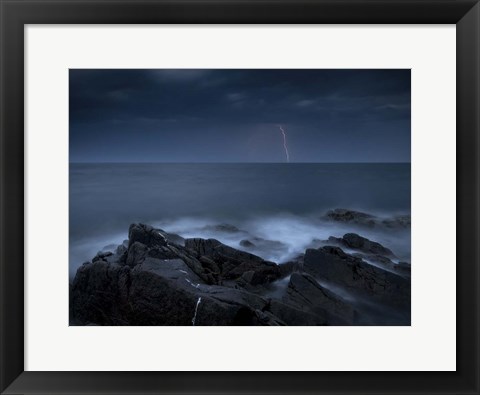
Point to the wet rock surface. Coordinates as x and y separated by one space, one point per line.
357 276
362 244
160 278
305 292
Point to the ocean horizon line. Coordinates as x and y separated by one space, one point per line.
239 163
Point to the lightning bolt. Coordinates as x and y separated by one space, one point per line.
285 143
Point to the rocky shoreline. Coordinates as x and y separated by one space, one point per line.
159 278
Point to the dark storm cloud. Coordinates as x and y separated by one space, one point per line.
232 115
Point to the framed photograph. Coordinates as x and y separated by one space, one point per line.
240 197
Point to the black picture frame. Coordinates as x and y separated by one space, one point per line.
15 14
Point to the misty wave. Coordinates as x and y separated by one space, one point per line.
293 233
277 238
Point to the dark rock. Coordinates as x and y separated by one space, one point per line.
233 263
288 268
377 260
357 242
163 252
353 274
256 277
403 268
351 217
95 294
200 269
137 252
248 277
202 247
148 289
172 238
381 260
292 266
363 219
146 235
160 293
101 256
155 279
209 265
304 291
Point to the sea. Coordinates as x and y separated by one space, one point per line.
279 207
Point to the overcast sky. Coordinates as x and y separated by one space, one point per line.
234 115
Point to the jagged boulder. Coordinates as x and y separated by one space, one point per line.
96 294
401 268
172 238
137 252
357 242
168 292
355 275
146 235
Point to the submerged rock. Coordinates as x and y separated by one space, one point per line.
351 217
225 228
246 243
359 218
262 243
398 222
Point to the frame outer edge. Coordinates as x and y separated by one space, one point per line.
11 196
468 197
